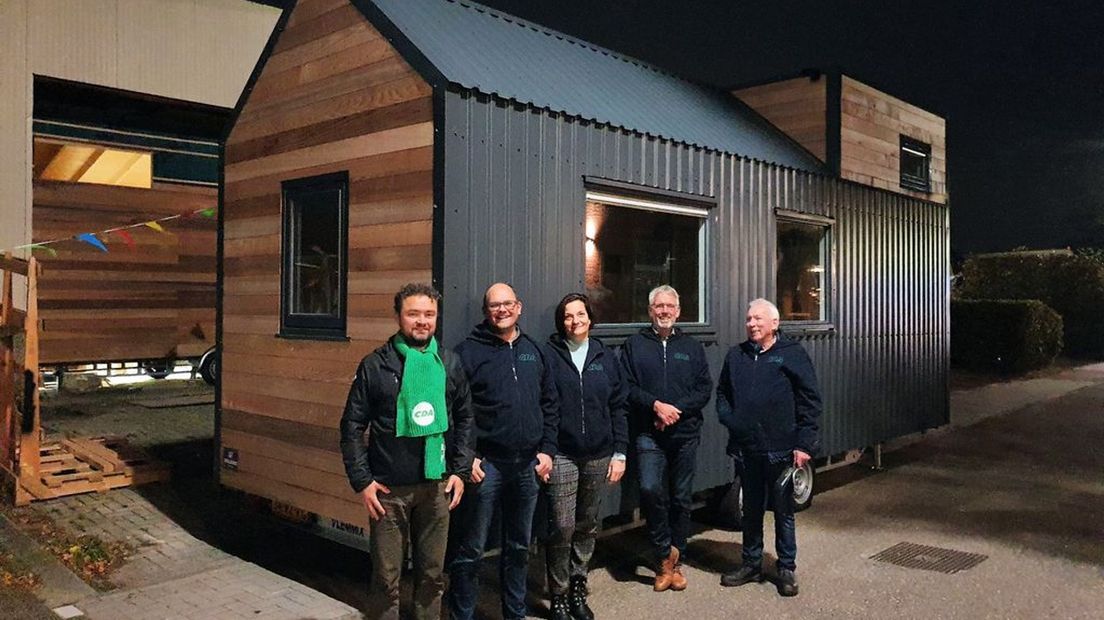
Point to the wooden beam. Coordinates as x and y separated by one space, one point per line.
13 264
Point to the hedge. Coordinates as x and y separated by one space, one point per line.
1006 336
1071 284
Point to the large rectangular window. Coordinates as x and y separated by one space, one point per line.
803 268
315 251
634 245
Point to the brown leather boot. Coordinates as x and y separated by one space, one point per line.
678 580
666 571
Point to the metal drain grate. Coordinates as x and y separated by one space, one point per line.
923 557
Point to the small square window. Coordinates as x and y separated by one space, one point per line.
915 164
315 251
634 245
802 268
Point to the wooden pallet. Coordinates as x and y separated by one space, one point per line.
89 464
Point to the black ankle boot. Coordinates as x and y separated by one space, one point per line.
561 609
579 608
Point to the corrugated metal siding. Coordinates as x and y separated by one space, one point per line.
484 50
514 200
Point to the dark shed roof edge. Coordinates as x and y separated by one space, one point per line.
437 79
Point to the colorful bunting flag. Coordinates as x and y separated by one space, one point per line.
45 248
154 225
207 212
126 237
92 240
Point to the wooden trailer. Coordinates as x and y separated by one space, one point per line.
387 141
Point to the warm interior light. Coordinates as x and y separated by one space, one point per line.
73 162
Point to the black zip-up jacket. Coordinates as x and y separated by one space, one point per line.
513 396
592 403
371 406
769 400
677 374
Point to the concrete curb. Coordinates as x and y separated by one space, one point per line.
59 585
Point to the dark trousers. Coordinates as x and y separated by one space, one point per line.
666 485
575 494
513 488
757 481
419 513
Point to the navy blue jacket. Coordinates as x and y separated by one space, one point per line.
513 396
592 403
677 374
769 400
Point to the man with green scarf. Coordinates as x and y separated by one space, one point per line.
406 439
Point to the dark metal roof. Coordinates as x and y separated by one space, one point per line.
478 48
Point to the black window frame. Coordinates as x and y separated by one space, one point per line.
313 327
676 202
909 147
826 323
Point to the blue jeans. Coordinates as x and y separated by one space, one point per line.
757 481
666 485
514 488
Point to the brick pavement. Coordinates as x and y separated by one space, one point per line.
175 575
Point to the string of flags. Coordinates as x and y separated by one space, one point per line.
100 239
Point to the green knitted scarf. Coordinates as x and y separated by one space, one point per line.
420 407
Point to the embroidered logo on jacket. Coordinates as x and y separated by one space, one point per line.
527 357
682 357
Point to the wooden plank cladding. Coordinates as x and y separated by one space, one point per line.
150 301
842 120
797 107
334 96
871 124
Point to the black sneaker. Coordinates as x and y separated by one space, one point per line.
742 575
787 582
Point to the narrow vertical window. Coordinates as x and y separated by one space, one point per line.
915 164
803 269
315 251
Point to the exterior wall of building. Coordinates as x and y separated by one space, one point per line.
194 50
797 106
871 124
333 96
514 201
153 302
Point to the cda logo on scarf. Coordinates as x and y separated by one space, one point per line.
423 414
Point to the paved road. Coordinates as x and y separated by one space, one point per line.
1026 489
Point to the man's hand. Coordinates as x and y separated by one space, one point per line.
455 486
371 500
477 471
666 414
615 471
544 466
800 458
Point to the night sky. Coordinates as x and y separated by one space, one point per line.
1022 89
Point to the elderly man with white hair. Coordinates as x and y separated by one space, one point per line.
767 397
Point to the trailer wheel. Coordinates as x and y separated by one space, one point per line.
208 366
159 369
803 487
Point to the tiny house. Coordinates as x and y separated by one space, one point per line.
112 115
384 141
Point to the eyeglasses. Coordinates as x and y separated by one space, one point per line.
505 305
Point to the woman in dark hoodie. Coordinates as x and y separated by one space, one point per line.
593 438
